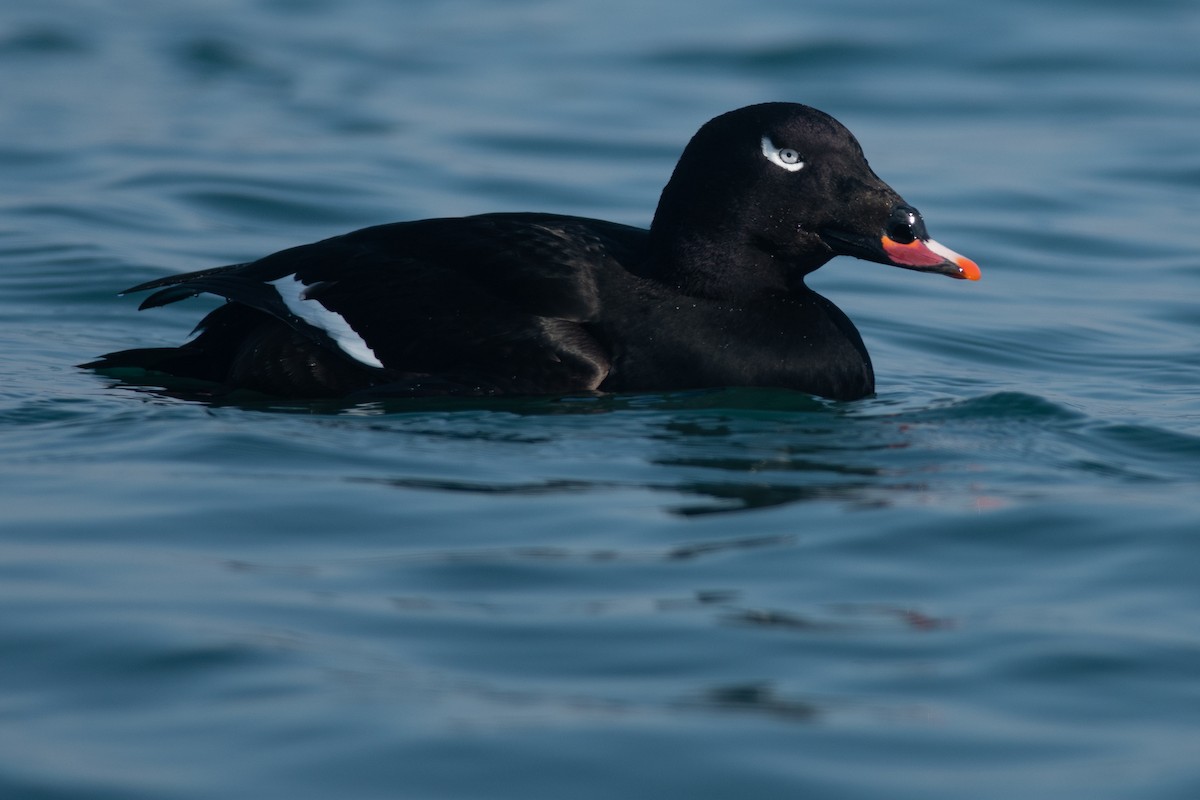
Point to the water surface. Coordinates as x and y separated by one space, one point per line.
978 583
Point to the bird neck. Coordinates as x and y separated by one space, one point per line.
718 261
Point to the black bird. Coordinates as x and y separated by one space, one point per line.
713 294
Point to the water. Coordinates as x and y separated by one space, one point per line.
979 583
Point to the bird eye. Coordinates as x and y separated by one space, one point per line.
784 157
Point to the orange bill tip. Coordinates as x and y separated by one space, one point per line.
969 269
931 255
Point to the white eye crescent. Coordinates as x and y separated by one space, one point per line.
784 157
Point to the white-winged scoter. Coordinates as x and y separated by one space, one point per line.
712 295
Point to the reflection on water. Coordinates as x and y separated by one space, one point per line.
796 448
758 698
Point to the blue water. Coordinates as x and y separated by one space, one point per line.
981 583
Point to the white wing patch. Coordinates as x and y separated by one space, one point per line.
311 311
784 157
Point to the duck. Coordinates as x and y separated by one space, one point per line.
711 295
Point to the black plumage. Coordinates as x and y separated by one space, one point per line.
528 303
